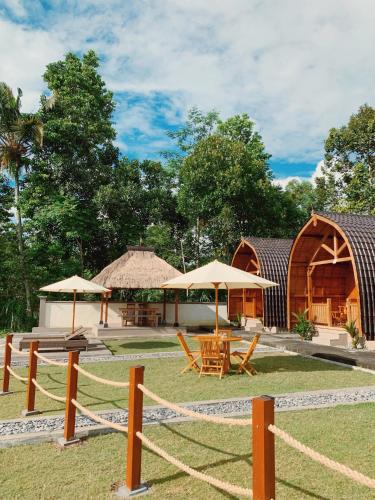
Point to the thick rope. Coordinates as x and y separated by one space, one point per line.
322 459
16 351
99 419
48 360
99 379
18 377
48 394
190 413
223 485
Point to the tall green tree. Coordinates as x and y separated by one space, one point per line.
349 168
77 160
226 189
19 132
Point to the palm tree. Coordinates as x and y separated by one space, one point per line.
19 132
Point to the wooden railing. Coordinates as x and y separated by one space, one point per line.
352 311
322 313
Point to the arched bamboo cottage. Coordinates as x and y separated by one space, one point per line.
267 257
332 271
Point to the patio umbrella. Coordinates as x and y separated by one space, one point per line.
75 285
217 275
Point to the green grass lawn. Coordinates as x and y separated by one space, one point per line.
89 470
135 346
277 373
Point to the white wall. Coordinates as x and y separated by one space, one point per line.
58 314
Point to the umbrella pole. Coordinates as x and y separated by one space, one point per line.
74 308
217 308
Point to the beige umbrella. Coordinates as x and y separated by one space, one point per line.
75 285
218 276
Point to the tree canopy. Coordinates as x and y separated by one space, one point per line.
78 202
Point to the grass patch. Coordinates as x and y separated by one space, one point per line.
135 346
88 471
277 373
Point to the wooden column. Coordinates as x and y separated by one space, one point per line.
71 393
135 417
216 285
165 306
30 393
263 448
329 312
176 300
74 308
243 301
106 311
7 362
101 309
309 292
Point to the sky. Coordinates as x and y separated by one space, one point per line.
296 67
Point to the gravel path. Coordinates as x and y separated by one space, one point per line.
229 407
18 361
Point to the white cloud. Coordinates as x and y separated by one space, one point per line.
283 181
298 68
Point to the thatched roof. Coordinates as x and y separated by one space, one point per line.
138 268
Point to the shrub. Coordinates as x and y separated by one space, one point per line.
304 327
354 333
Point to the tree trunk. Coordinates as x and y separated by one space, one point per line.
21 248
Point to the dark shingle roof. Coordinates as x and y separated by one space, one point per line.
360 231
273 255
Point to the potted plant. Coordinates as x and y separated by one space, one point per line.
354 334
304 327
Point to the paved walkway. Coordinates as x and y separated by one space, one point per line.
290 342
225 407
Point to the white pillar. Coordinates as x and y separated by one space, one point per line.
42 310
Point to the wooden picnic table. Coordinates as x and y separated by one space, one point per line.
226 346
139 315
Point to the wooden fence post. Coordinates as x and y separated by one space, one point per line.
263 449
329 312
70 409
135 417
7 362
30 393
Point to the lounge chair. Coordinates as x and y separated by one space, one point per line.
244 357
192 356
65 341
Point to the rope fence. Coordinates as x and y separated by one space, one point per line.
50 361
322 459
16 351
223 485
47 393
99 379
193 414
262 421
15 375
98 418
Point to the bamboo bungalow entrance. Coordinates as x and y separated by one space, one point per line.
331 271
266 257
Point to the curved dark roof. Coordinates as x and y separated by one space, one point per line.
273 255
360 231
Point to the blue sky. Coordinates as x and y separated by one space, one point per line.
297 68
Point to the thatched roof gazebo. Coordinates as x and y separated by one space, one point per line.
139 268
